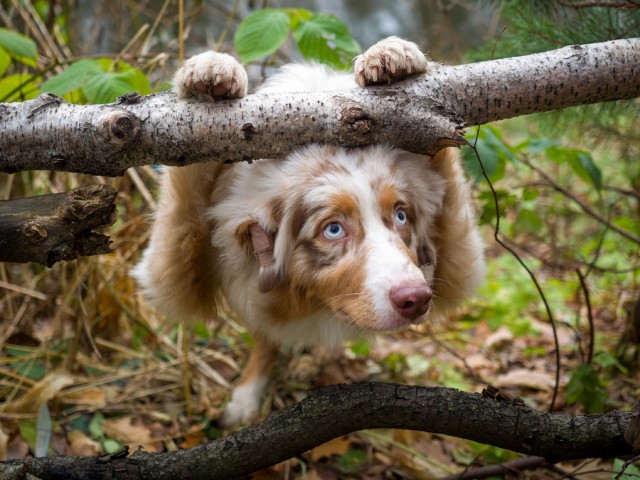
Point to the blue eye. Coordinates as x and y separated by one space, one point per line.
401 218
334 231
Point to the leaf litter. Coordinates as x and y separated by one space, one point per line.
114 371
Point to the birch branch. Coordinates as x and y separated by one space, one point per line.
422 114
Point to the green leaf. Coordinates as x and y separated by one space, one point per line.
493 151
632 472
72 78
605 359
493 136
44 431
5 60
17 45
14 88
261 33
95 429
326 38
580 161
28 431
98 82
298 15
352 461
111 446
107 86
584 166
585 387
493 163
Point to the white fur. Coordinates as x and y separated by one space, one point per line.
245 402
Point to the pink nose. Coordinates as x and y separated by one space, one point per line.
411 302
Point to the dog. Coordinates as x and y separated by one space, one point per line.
326 245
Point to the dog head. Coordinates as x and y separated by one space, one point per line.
348 230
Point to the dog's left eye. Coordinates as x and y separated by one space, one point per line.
401 218
334 231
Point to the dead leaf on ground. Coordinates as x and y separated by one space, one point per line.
4 444
132 431
337 446
80 445
523 377
41 392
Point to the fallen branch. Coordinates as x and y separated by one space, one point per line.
422 114
59 226
341 409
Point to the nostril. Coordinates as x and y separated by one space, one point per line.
411 301
408 304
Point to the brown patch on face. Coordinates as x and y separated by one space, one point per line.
344 205
342 289
387 201
337 284
321 269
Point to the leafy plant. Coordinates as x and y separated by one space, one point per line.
631 472
98 81
17 47
319 36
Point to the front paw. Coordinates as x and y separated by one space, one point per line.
389 60
244 404
211 75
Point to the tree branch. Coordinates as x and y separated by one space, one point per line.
341 409
58 226
422 114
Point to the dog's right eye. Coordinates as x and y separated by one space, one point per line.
334 231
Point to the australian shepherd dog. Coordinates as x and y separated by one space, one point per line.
326 245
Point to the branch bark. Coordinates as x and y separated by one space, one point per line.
422 114
341 409
58 226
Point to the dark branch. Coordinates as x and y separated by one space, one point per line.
54 227
341 409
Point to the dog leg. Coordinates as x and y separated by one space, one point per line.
245 398
179 271
389 60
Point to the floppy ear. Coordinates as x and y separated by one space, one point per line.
459 249
263 245
260 242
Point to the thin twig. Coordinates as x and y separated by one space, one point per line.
587 299
496 236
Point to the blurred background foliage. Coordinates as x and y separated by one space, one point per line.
84 359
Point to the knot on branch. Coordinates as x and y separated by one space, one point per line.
356 123
34 232
93 204
119 127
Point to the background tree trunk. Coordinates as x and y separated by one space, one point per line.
422 114
341 409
